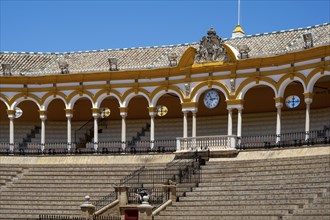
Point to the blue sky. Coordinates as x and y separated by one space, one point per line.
64 26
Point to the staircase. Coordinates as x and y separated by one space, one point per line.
258 189
29 136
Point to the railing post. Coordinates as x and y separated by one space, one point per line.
122 195
87 209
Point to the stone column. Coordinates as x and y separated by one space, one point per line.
230 121
278 105
43 117
96 115
239 124
69 115
194 112
308 101
123 114
152 114
11 116
185 123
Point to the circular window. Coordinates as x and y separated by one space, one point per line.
292 101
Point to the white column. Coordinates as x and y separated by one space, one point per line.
152 129
239 122
123 129
278 122
69 115
43 118
11 116
230 121
185 124
96 133
308 102
194 111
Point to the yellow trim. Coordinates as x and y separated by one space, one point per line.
11 112
25 96
161 88
108 92
189 104
235 102
308 95
213 82
257 80
136 91
42 112
95 110
152 109
49 94
279 100
188 58
123 109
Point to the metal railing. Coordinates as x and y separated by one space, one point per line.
294 139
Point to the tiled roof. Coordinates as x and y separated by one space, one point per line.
266 44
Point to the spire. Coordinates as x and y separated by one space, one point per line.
238 31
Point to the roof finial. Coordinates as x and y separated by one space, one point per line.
239 12
238 31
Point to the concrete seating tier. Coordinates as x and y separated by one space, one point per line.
282 188
58 189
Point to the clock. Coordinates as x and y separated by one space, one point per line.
161 110
292 101
211 99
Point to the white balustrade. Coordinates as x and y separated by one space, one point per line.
203 143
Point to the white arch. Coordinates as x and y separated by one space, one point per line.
314 79
104 96
46 103
286 82
21 99
161 93
205 88
132 95
253 84
70 105
4 101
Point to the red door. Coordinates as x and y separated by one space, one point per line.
131 214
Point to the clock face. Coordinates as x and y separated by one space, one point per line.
211 99
292 101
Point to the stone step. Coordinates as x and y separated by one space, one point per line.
219 169
40 203
310 217
265 173
41 207
285 201
209 177
33 194
177 207
215 192
269 182
38 212
269 186
249 197
87 189
216 217
224 212
270 162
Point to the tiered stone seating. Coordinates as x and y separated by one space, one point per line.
58 189
258 189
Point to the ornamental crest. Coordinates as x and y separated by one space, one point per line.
211 48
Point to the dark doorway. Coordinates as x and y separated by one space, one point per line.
131 214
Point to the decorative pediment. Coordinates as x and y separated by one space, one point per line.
211 49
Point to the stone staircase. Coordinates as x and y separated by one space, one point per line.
57 189
285 188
